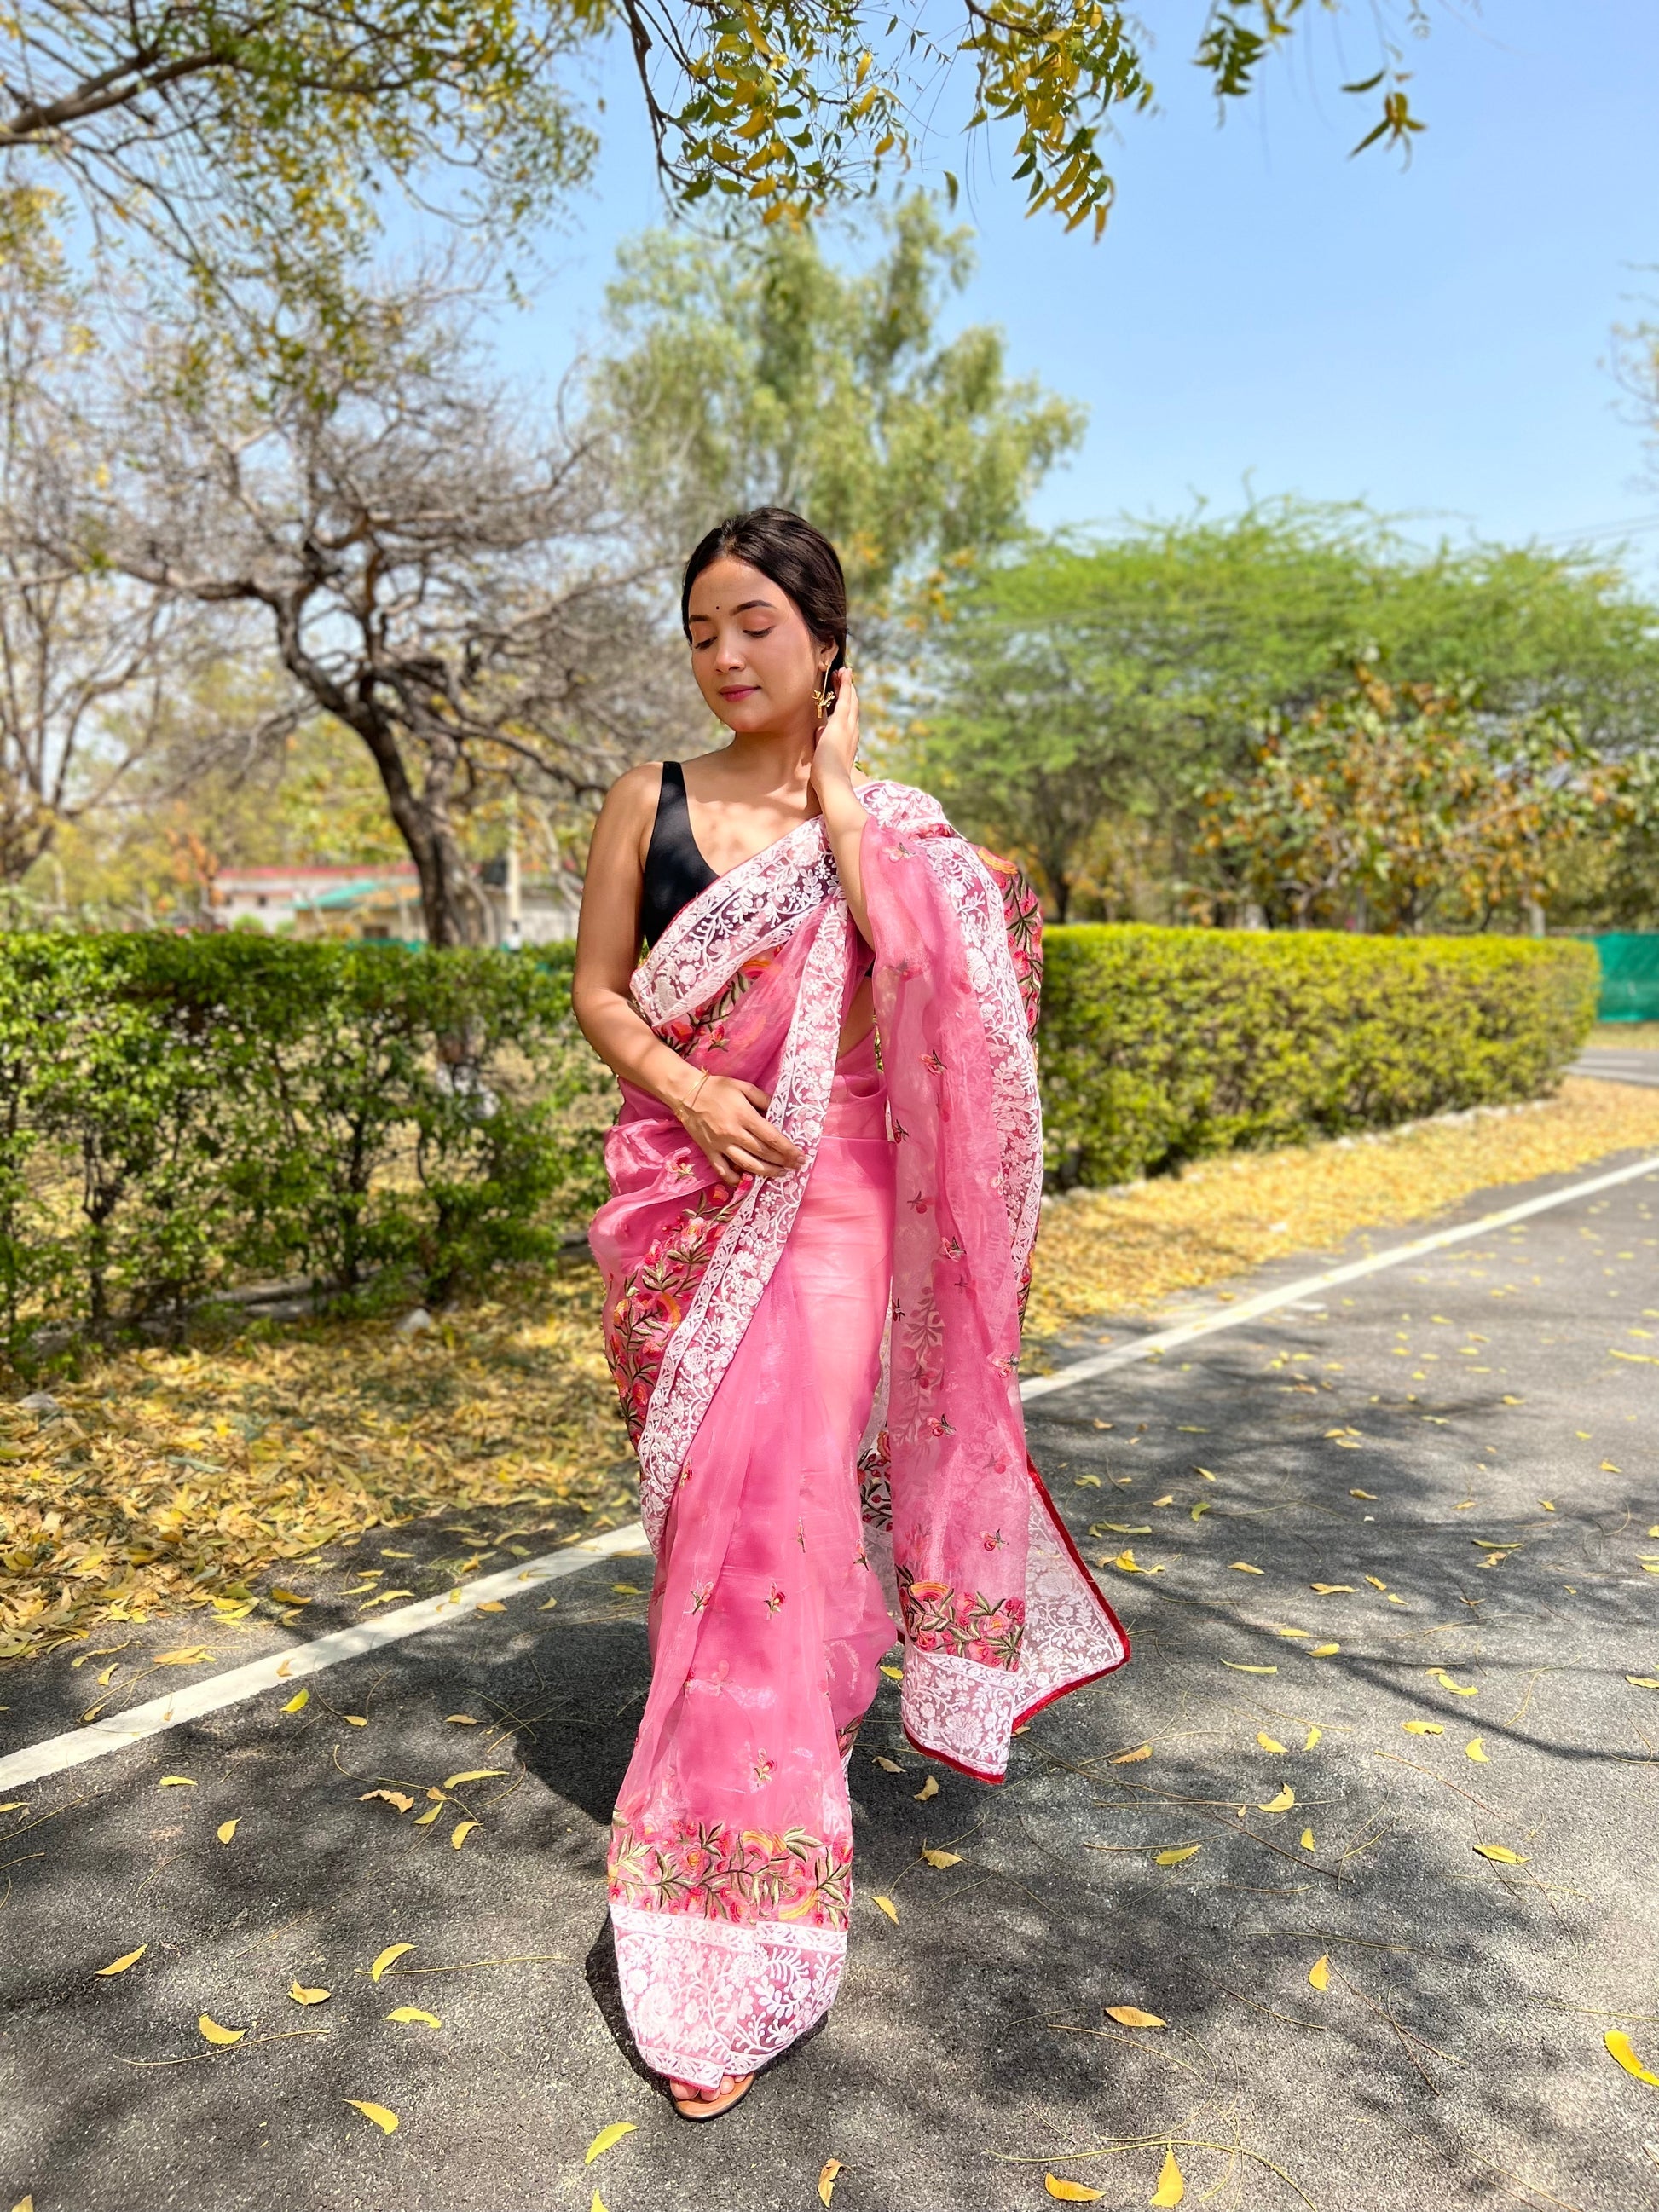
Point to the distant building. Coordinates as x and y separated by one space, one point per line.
382 903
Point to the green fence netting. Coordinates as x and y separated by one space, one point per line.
1630 975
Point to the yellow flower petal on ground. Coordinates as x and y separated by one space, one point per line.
1069 2192
1319 1974
1171 2185
119 1965
1133 2016
1618 2046
209 2028
386 2121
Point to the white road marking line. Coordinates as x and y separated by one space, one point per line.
290 1668
287 1670
1166 1339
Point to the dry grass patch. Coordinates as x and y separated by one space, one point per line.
1099 1255
171 1478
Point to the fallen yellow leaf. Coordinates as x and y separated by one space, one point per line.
1369 1495
1312 1738
1333 1589
425 1819
893 1673
1175 1857
1643 1681
1319 1974
1457 1689
289 1597
1267 1742
412 2015
297 1701
213 2034
942 1858
597 2203
1282 1803
1171 2188
1129 1757
192 1655
475 1774
354 1720
397 1797
494 1605
119 1965
1618 2046
226 1829
1133 2016
1205 1472
1308 1843
1240 1667
304 1996
929 1789
886 1905
1243 1567
388 1957
463 1720
1323 1650
1607 1467
1502 1853
386 2121
1071 2193
1375 1584
175 1782
1476 1750
826 2173
459 1832
887 1765
1423 1727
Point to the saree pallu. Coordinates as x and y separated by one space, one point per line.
819 1376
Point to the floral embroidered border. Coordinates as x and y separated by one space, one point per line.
719 1872
965 1623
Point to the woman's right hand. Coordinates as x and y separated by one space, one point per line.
729 1122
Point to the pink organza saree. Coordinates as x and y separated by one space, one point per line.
819 1376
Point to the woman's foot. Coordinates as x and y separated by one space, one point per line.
692 2103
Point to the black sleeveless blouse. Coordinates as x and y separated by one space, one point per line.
675 869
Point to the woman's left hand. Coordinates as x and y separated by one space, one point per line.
838 740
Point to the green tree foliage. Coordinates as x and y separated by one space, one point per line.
1390 806
1084 692
254 139
761 372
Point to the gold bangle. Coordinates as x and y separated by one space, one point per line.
687 1105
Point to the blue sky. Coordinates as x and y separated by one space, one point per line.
1435 341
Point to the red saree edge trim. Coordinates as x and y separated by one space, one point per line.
1062 1689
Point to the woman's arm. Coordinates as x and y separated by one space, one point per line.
844 817
726 1119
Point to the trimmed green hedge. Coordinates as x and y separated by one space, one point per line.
180 1115
1160 1046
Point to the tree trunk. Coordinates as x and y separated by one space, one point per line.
451 910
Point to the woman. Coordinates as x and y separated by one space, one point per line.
825 1180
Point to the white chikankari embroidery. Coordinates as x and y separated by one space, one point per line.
709 1997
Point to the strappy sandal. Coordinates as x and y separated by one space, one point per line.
697 2109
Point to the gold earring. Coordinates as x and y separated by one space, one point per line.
825 697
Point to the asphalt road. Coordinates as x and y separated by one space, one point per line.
1634 1064
1465 1447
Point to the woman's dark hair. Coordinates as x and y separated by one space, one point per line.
796 557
